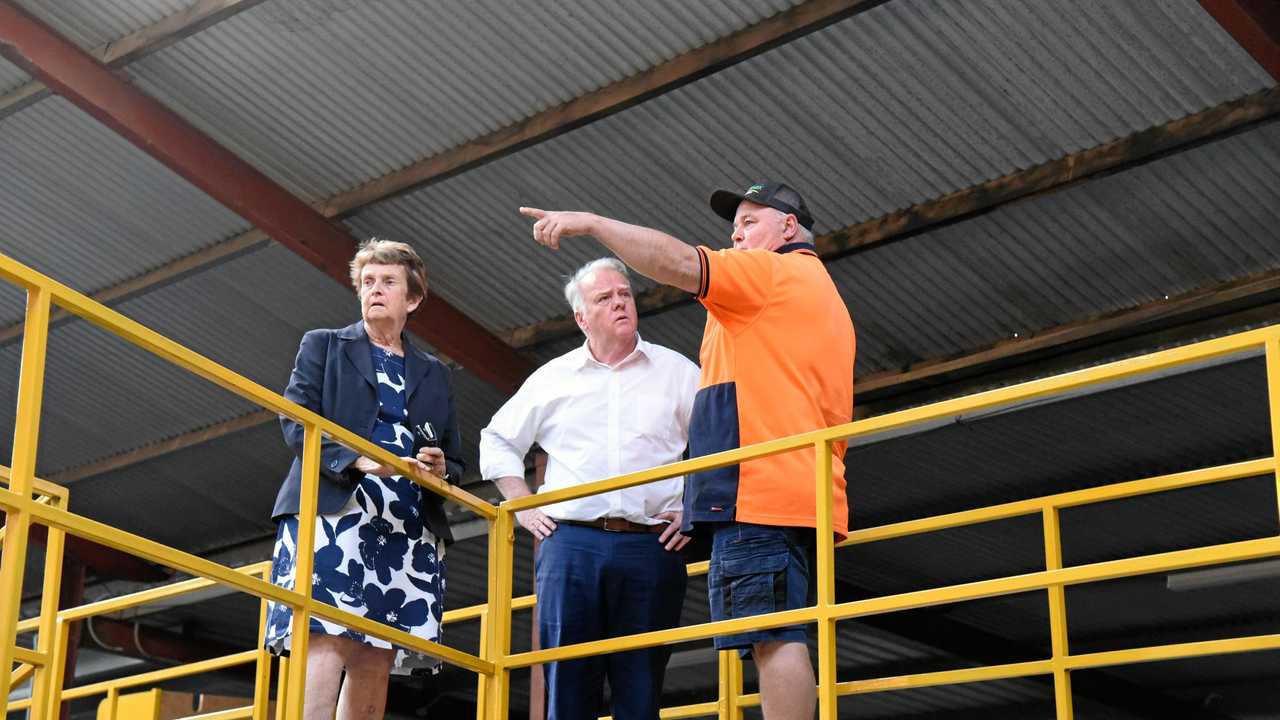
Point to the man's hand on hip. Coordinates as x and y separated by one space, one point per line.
536 522
671 538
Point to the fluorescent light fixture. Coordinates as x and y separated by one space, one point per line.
1220 576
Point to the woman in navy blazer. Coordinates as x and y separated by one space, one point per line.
379 537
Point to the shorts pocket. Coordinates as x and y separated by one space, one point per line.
754 580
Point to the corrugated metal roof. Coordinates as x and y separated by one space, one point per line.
866 132
91 23
1184 222
222 490
277 85
83 205
11 76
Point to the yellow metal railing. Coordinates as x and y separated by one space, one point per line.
495 662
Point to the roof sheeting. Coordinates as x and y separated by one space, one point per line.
429 76
83 205
92 23
1172 226
858 140
1180 223
11 76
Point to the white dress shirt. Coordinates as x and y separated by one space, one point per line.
595 422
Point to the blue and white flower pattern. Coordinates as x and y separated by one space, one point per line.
374 557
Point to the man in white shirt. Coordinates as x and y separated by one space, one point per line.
609 564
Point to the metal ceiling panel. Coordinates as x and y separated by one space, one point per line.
11 76
1184 222
81 204
278 86
891 107
92 23
213 495
1178 224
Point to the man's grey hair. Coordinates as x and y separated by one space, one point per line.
573 288
806 235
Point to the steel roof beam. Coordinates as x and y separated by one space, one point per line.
235 183
1255 25
104 561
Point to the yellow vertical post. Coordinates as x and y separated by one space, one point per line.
1057 616
828 700
730 700
481 710
497 687
26 433
45 639
1273 397
304 566
57 668
113 700
262 671
282 686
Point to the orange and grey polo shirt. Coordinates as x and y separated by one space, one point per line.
777 360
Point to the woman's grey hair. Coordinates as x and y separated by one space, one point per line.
381 251
573 288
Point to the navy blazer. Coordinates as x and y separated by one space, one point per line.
333 376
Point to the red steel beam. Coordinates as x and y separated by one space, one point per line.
163 134
1255 25
104 561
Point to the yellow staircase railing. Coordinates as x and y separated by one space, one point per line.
28 500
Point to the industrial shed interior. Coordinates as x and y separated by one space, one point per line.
1004 190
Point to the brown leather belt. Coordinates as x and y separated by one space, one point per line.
615 524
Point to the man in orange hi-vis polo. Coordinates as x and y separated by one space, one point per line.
777 360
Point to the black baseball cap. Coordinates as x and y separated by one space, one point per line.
775 195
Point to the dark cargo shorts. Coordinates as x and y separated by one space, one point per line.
758 569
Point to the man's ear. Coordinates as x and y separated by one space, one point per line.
581 320
791 228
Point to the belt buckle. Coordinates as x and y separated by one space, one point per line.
613 525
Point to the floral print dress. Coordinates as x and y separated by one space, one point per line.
374 557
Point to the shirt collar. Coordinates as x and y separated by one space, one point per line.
793 247
586 359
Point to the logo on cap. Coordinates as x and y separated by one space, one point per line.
754 189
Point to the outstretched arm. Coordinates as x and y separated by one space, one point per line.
652 253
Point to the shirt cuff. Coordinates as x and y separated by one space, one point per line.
503 467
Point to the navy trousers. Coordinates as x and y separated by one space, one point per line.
594 584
